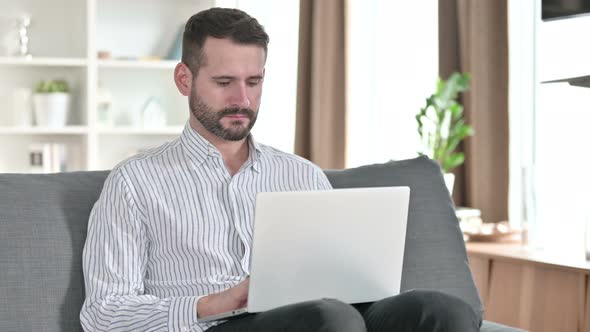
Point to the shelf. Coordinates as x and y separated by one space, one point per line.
171 130
79 130
68 130
131 64
47 62
581 81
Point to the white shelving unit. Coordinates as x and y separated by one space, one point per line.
65 38
60 62
165 64
37 130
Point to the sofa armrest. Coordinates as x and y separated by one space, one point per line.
488 326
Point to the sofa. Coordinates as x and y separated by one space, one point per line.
43 220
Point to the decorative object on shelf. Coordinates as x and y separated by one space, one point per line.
175 52
490 232
104 101
23 36
55 157
38 158
153 58
127 115
467 214
441 125
51 103
22 107
47 158
8 36
474 229
104 55
152 114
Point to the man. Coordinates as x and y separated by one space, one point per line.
170 238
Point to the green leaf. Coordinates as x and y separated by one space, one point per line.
444 112
453 161
463 130
453 143
456 111
51 86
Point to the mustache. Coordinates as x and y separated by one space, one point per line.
236 111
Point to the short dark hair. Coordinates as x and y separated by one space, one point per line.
229 23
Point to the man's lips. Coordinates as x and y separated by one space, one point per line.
237 116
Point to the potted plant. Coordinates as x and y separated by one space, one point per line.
51 103
441 125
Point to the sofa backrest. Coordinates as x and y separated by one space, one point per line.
43 221
434 255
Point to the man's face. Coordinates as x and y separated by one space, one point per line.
225 94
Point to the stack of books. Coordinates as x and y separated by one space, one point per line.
467 214
48 158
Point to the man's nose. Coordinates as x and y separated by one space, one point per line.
240 96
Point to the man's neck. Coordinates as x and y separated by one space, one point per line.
234 153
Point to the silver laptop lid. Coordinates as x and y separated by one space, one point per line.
346 244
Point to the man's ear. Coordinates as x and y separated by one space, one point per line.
183 77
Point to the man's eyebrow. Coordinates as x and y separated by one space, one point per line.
228 77
223 77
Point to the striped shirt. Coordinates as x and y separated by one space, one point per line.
172 225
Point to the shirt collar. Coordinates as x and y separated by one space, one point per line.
254 153
199 149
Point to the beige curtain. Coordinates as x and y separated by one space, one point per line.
473 37
321 109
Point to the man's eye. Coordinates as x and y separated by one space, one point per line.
253 82
223 83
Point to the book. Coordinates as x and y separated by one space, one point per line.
48 158
40 158
464 213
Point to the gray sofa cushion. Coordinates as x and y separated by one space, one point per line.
43 222
435 256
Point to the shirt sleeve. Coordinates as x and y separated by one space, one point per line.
322 182
114 263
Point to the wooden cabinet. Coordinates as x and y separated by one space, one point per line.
531 289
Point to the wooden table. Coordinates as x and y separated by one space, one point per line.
536 290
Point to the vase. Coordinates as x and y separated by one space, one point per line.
51 109
449 182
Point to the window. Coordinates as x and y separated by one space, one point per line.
276 122
392 67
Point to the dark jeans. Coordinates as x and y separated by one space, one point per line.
416 311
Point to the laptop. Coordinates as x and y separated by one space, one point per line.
345 244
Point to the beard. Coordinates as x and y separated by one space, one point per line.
211 119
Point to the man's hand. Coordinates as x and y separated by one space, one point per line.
230 299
